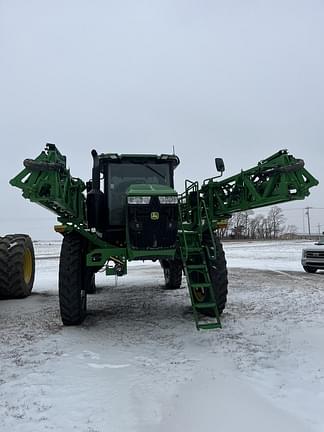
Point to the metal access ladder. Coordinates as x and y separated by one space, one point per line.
194 261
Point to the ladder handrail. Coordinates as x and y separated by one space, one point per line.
183 236
209 226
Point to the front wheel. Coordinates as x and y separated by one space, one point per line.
310 269
72 289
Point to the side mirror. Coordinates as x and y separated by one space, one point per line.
219 165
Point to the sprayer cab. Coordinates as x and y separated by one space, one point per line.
127 193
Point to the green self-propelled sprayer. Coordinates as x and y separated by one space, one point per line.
129 210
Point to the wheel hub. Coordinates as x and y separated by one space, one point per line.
27 266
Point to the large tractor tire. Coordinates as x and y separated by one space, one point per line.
172 270
218 276
72 280
90 281
17 266
4 276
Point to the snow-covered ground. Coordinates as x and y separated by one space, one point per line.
266 255
138 363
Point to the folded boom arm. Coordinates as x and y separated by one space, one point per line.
277 179
46 181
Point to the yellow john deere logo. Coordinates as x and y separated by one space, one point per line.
155 216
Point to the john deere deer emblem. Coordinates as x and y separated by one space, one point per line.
155 216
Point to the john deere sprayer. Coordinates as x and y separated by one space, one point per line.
129 210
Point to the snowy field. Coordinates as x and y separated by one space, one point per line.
137 364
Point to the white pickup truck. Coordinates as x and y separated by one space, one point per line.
313 257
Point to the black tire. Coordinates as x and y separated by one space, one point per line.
17 262
11 236
90 282
172 270
218 275
72 280
310 269
4 277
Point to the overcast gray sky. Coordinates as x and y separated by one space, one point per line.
234 79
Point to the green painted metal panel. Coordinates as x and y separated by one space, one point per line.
136 254
150 190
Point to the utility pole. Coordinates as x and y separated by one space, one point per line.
308 219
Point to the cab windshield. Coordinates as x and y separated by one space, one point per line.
121 176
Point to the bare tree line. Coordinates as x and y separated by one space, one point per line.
244 225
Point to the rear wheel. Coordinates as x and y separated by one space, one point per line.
17 266
218 276
4 278
310 269
72 280
90 282
172 270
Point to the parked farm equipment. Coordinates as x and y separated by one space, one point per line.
130 210
17 266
